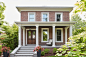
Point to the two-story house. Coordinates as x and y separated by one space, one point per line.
40 23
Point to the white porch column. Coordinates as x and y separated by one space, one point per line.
23 36
66 34
70 30
19 36
37 40
53 36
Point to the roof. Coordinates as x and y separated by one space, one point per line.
20 8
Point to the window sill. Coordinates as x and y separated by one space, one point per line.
44 41
59 41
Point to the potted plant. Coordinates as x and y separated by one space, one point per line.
5 51
38 49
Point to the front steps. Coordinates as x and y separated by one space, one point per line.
25 51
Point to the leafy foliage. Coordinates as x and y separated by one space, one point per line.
46 50
2 8
79 22
80 6
54 50
77 46
10 39
42 53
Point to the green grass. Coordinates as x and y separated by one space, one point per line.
55 56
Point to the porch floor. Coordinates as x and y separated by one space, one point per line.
45 46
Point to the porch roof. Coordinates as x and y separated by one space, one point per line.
65 23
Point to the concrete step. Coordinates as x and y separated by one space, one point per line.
26 48
25 52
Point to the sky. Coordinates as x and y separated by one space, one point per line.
12 14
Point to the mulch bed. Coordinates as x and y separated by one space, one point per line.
49 54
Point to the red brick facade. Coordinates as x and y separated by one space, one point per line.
24 15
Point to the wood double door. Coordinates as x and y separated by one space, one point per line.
31 37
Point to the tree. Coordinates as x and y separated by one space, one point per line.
80 6
10 39
2 8
79 22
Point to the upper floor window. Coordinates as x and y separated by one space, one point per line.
58 16
45 16
31 16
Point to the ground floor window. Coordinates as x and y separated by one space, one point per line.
59 34
45 34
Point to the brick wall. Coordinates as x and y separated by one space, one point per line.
24 15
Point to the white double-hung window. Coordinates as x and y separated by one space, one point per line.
45 16
58 17
31 16
44 34
59 34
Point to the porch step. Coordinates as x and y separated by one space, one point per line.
26 48
25 52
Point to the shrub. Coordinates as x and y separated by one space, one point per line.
42 53
46 50
77 46
0 47
0 53
54 50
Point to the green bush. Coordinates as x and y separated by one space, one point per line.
0 47
54 50
46 50
0 52
42 53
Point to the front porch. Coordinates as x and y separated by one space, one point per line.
38 27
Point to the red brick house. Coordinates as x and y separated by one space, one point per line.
40 23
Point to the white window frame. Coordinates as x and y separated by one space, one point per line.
42 16
56 17
61 34
42 34
34 16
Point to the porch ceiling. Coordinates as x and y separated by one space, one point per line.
25 23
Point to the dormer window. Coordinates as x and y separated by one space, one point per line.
31 16
45 17
58 17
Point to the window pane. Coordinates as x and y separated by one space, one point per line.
31 16
45 35
29 34
44 17
33 34
58 35
31 19
58 17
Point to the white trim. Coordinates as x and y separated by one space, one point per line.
37 41
47 16
19 36
70 30
61 34
23 36
26 34
66 35
56 16
42 34
34 16
53 35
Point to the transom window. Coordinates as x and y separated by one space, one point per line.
59 16
31 17
59 35
45 17
45 34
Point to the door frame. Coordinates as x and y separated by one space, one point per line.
26 34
